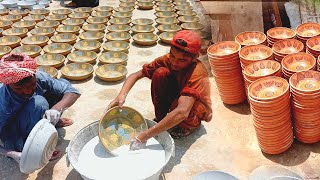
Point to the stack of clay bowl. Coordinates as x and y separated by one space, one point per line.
251 38
269 99
226 69
307 30
285 47
279 33
296 63
254 53
260 69
305 91
313 46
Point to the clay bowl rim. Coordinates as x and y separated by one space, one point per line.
248 32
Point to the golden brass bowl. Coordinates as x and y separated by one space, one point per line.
82 57
4 50
187 19
145 39
53 72
181 3
164 9
12 41
119 28
104 14
164 4
77 71
68 38
97 20
5 24
21 32
39 40
122 14
94 27
192 26
58 48
186 13
4 12
92 35
118 36
142 29
124 9
43 31
21 12
142 21
120 21
165 14
47 24
183 8
24 24
103 8
54 60
68 29
62 11
83 10
145 5
111 72
169 28
126 1
113 57
34 17
78 15
127 4
167 20
45 12
88 45
167 37
10 17
30 50
56 17
73 22
120 46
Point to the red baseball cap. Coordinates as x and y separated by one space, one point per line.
191 41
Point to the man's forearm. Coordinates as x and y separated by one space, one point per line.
67 100
128 84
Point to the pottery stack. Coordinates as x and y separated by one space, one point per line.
306 31
270 105
285 47
279 33
254 53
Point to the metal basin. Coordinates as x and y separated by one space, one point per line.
186 13
56 17
38 40
58 48
120 21
119 28
45 12
167 37
97 20
53 72
73 22
54 60
62 11
83 10
121 46
5 24
34 17
167 20
169 28
4 50
113 57
92 35
30 50
68 29
82 57
21 32
47 24
11 41
43 31
192 26
122 14
104 8
165 14
24 24
145 39
111 72
68 38
142 29
88 45
118 36
142 21
124 9
78 15
104 14
94 27
77 71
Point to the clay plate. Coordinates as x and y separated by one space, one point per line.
39 40
111 72
30 50
77 71
88 45
83 10
169 28
92 35
54 60
118 36
73 22
58 48
167 37
145 39
68 38
5 24
82 57
121 46
40 11
120 21
165 14
68 29
12 41
167 20
104 14
21 32
142 29
43 31
47 24
113 57
97 20
53 72
78 15
34 17
142 21
62 11
103 8
94 27
24 24
4 50
192 26
119 28
56 17
186 13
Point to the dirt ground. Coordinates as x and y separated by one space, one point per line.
226 143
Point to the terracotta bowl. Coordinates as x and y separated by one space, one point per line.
30 50
308 29
183 8
45 12
253 53
164 4
68 29
94 27
251 38
9 17
21 12
4 50
88 45
39 40
73 22
104 14
118 36
142 29
111 72
120 46
188 19
58 48
186 13
79 15
169 28
62 11
21 32
145 39
92 35
127 4
120 21
119 28
194 26
68 38
167 20
53 72
122 14
145 5
167 37
34 17
56 17
83 10
77 71
5 24
48 24
124 9
142 21
261 69
24 24
164 9
103 8
54 60
268 88
113 57
287 46
165 14
313 44
298 62
305 81
279 33
82 57
4 12
97 20
224 48
12 41
43 31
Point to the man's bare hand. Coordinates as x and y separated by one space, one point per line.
118 101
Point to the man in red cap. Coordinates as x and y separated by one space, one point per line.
180 89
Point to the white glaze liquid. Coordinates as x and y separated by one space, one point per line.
96 163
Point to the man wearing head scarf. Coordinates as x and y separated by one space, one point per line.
27 96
